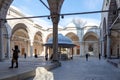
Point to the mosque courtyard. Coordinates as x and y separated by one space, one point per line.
80 69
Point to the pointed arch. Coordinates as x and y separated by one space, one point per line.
38 43
91 33
75 40
21 38
73 37
49 35
91 43
20 26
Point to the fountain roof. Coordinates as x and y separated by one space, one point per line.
63 41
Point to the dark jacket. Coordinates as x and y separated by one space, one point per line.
15 53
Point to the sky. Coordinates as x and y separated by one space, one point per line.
36 8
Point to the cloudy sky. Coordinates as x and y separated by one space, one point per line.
36 8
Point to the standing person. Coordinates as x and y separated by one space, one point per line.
25 55
99 56
86 56
35 56
46 56
105 56
15 57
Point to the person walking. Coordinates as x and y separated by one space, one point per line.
15 57
46 56
86 56
25 55
99 56
105 56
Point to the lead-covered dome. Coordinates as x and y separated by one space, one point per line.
63 41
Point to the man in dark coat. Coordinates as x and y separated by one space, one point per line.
99 56
46 56
87 56
15 57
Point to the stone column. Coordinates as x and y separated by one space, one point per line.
44 51
8 47
55 41
84 48
46 48
55 6
108 46
1 40
81 49
102 49
31 49
75 51
49 53
59 52
72 54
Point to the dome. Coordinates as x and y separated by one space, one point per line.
62 41
71 25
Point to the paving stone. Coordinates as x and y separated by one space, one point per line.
80 69
25 70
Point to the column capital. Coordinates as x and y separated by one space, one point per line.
55 17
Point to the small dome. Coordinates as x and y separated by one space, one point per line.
61 40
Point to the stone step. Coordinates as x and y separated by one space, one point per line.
114 63
22 75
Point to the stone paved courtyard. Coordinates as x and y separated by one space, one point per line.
80 69
25 70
